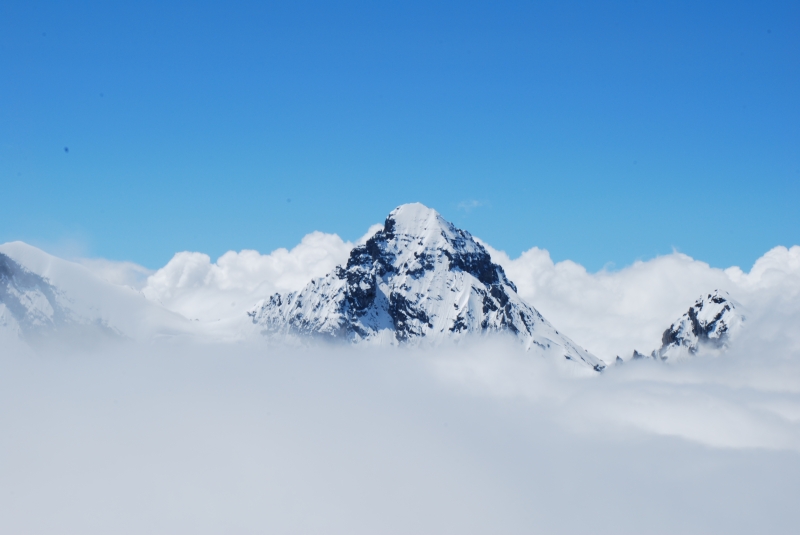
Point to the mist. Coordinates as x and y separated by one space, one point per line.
178 437
175 426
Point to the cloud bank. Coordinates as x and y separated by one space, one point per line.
179 435
183 438
609 312
197 288
613 312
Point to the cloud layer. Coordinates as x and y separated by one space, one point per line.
613 312
180 435
608 312
182 438
197 288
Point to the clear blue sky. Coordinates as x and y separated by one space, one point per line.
604 132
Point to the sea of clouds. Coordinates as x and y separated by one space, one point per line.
187 437
609 313
476 438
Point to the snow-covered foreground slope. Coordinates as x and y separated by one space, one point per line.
418 279
45 298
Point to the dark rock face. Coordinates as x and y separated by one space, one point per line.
377 260
405 317
419 277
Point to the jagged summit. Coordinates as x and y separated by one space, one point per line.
418 278
707 326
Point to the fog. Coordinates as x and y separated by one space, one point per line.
176 431
476 438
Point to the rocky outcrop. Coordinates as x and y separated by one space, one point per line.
707 327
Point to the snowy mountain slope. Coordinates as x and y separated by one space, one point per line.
30 306
707 327
417 279
43 296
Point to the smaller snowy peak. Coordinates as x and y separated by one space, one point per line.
707 327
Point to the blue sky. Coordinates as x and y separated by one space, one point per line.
603 133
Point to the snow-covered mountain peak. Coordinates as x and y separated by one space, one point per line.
419 278
413 217
415 239
708 326
415 220
413 230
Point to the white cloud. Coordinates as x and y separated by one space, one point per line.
119 273
613 312
181 438
747 398
608 312
181 435
193 286
470 205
